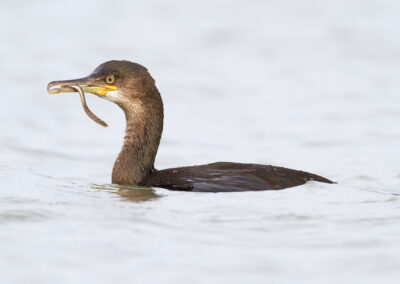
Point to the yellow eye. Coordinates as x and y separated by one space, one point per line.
110 79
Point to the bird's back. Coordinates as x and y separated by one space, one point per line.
225 177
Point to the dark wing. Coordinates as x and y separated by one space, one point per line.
225 177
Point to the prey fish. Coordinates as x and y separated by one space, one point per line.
89 113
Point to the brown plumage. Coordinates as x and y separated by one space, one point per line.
132 88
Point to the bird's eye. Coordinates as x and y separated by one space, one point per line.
110 79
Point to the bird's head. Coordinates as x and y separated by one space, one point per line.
117 81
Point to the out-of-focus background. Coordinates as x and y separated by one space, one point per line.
310 85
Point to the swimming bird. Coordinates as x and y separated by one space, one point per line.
132 88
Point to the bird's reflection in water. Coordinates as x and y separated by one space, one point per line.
129 192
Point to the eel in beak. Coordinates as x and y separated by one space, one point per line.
82 86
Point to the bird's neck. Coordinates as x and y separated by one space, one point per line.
144 124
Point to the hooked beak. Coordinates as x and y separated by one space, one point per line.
88 85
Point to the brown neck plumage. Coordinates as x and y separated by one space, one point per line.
144 124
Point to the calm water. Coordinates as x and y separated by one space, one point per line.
311 86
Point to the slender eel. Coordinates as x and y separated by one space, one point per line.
86 108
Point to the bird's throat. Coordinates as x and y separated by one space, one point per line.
144 124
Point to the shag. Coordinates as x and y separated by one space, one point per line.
132 88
